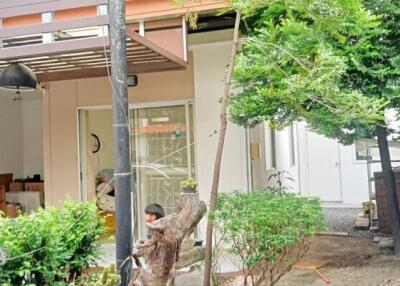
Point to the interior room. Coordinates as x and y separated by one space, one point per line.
21 151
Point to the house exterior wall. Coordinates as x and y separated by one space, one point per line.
210 62
141 9
351 174
135 10
203 82
60 142
61 101
354 176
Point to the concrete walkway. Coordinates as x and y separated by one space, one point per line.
227 262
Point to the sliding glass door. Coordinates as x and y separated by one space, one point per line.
162 141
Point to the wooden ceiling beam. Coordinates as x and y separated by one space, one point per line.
131 33
102 72
70 46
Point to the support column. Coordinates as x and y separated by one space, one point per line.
1 27
102 10
47 38
122 164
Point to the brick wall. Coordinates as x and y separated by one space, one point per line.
381 201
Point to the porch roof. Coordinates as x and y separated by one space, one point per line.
89 57
68 39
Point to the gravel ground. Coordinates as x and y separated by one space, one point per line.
343 219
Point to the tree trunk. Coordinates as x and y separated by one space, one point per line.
161 251
218 159
390 187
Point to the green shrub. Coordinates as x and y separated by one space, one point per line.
268 230
109 277
51 246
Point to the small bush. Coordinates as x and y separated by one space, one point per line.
268 230
109 277
51 246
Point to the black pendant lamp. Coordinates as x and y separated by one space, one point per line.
18 77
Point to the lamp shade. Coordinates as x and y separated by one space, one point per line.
18 76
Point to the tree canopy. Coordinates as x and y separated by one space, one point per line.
301 62
374 56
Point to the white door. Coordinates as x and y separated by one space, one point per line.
323 168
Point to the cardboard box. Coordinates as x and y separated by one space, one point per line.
2 193
12 210
3 207
16 187
5 180
34 187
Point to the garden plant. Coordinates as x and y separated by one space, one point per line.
109 277
268 230
50 247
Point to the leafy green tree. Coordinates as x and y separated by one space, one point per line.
295 66
331 63
374 69
290 69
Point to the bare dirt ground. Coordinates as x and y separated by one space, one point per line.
350 262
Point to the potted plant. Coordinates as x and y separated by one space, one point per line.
189 186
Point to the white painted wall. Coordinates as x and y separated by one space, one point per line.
283 156
32 137
286 154
352 176
21 145
314 167
330 170
11 155
100 123
323 167
210 61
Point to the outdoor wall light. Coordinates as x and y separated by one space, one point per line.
18 77
132 80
